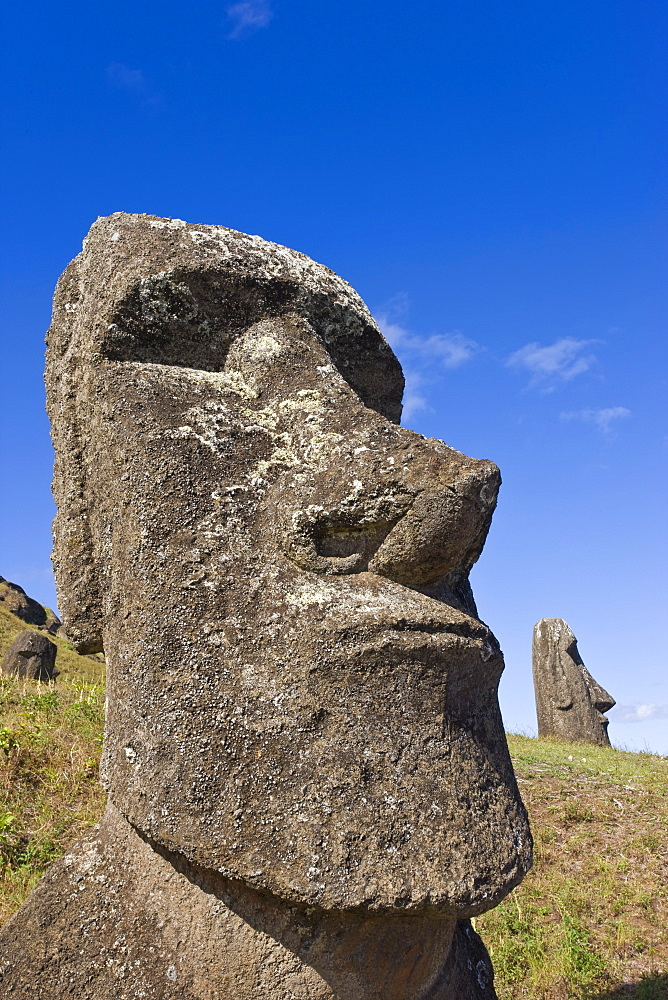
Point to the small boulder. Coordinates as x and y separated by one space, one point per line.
32 656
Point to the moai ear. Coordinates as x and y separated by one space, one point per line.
73 559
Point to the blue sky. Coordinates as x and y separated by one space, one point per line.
489 175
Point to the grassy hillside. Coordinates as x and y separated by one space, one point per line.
50 740
590 921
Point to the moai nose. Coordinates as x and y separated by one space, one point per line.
446 525
427 514
361 493
600 699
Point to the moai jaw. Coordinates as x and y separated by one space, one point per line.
569 702
156 926
301 695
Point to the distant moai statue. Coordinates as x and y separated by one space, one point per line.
569 702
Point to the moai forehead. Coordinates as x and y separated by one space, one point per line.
301 694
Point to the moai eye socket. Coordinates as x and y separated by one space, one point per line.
191 320
174 319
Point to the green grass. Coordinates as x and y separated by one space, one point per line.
591 918
50 741
588 923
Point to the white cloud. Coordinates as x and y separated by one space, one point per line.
451 349
552 363
398 305
413 400
640 713
603 418
248 16
133 82
120 75
421 357
394 333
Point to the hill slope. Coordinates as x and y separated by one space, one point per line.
590 920
50 740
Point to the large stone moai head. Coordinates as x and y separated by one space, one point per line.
32 656
301 694
569 702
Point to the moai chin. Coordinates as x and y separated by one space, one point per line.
309 785
569 702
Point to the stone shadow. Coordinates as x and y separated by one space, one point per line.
654 987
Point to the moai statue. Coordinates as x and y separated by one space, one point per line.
569 702
309 785
32 656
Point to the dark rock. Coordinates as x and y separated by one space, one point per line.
569 702
53 623
302 700
32 656
468 966
15 599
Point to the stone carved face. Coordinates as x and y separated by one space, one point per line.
570 703
300 692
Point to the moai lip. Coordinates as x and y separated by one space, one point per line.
569 702
302 699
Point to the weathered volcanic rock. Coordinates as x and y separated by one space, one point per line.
32 656
15 599
302 700
569 702
120 919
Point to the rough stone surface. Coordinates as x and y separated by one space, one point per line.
569 702
120 919
15 599
301 696
32 656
